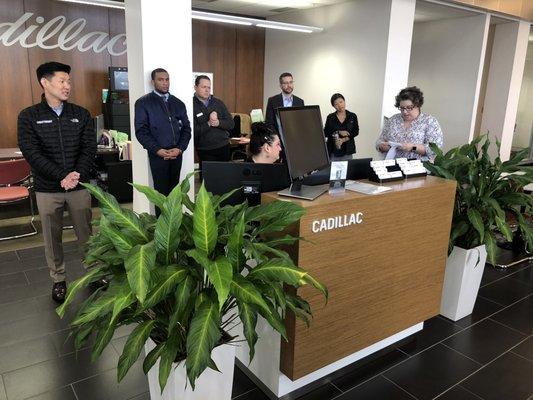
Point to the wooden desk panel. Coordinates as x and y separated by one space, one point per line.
383 275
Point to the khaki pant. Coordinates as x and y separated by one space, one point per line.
51 207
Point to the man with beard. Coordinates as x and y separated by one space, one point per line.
163 129
284 99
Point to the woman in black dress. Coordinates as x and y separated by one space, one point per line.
341 128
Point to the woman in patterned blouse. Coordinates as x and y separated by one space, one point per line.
411 129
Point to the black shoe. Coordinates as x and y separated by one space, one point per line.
59 291
100 283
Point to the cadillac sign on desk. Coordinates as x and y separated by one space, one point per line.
339 221
57 33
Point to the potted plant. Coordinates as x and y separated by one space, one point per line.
486 191
185 278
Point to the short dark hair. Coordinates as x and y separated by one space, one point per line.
155 71
199 78
410 93
47 70
261 133
335 97
284 75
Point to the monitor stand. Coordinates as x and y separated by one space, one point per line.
305 192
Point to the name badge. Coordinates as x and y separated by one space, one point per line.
199 115
74 120
44 121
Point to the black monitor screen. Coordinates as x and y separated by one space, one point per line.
303 139
118 79
252 179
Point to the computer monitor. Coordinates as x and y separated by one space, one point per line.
252 178
305 146
358 168
118 79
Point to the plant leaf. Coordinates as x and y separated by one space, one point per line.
183 298
168 355
205 230
167 233
166 283
121 242
220 273
246 292
151 194
248 318
152 356
477 222
138 265
204 333
234 248
133 347
78 284
103 338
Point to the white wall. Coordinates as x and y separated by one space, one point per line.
504 82
146 51
524 117
446 64
349 57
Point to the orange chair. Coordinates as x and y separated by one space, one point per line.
15 188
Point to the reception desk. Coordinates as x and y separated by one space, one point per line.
382 258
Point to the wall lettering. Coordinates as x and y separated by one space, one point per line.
69 36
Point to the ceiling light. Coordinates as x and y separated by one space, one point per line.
101 3
285 28
228 19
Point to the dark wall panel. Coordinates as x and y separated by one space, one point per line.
235 55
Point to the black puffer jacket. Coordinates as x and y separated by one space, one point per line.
55 146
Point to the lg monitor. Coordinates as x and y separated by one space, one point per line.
250 178
305 147
118 79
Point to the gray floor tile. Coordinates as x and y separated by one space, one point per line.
53 374
23 354
18 310
12 279
65 393
3 395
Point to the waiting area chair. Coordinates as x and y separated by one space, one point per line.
15 188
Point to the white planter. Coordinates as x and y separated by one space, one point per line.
461 281
210 385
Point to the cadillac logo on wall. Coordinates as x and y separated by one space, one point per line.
56 33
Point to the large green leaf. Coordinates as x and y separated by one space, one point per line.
104 336
168 355
235 245
77 285
123 300
151 194
278 270
138 265
167 232
182 300
133 347
111 209
477 222
102 306
120 241
152 356
205 229
248 318
204 334
167 281
246 292
220 273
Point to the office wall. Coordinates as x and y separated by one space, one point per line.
524 118
446 63
234 54
349 57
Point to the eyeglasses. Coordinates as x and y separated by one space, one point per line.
408 108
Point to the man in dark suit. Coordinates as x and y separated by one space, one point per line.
284 99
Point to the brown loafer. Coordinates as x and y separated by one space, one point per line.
59 291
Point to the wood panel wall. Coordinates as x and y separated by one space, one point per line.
234 54
518 8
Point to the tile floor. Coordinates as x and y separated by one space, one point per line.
488 355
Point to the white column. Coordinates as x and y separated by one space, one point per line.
504 82
159 35
402 17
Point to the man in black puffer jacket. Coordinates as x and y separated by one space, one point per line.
58 141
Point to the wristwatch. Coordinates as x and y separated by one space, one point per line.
413 149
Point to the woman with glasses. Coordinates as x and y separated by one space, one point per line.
410 131
340 129
265 145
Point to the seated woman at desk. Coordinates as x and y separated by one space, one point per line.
265 145
340 129
410 131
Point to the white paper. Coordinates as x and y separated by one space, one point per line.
366 188
391 154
